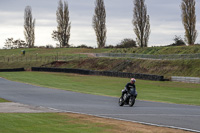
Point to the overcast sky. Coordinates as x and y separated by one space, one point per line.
165 21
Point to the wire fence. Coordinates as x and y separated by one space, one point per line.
31 58
147 56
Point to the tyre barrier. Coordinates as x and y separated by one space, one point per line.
12 70
101 73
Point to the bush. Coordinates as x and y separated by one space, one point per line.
127 43
84 46
178 41
49 46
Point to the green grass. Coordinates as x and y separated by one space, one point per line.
49 52
47 123
63 51
3 100
170 92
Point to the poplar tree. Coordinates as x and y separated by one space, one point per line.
29 27
189 21
99 23
64 25
141 23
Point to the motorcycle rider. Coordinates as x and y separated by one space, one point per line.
128 86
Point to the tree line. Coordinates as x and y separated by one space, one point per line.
141 25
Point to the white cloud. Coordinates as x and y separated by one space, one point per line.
10 18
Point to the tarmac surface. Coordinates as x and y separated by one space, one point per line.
184 117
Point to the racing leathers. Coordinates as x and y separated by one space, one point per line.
127 88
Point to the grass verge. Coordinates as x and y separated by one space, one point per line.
170 92
72 123
3 100
47 123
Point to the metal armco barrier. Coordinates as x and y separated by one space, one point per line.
12 70
186 79
102 73
148 56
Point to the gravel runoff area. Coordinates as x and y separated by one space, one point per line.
11 107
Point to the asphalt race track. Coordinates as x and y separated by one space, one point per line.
184 117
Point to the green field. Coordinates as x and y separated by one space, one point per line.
3 100
170 92
49 52
72 123
47 123
63 51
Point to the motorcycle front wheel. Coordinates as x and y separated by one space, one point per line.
121 101
131 101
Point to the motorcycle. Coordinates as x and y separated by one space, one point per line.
128 98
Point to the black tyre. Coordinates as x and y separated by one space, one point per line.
121 101
131 101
